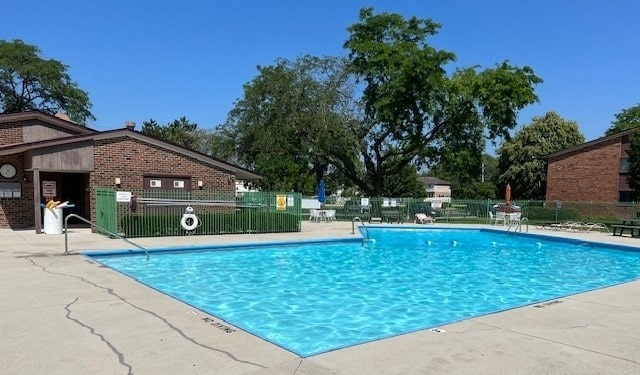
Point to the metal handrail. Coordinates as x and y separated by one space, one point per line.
518 227
353 224
66 240
366 230
525 220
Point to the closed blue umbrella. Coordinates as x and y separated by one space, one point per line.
321 193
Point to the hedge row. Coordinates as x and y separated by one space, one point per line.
551 214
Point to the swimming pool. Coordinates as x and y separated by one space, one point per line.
311 298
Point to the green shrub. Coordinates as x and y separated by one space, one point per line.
549 214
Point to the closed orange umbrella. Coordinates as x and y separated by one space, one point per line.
507 195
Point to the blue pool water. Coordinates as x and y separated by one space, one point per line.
316 297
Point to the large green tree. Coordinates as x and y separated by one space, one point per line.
181 132
404 184
521 159
413 109
626 119
290 122
28 82
634 161
470 177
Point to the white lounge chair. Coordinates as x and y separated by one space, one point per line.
424 219
596 227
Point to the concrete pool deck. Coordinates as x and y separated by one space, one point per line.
64 314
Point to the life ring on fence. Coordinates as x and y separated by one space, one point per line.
189 219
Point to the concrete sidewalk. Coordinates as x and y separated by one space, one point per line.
67 315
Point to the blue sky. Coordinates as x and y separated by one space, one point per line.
166 59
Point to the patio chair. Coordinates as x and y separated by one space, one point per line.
497 217
596 227
375 213
514 217
424 219
314 215
330 215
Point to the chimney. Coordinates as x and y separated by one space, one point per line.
129 125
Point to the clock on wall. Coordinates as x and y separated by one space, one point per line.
7 170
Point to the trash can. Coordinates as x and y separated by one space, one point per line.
52 220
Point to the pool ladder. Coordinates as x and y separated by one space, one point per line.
353 228
517 226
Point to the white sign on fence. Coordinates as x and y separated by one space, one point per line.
123 196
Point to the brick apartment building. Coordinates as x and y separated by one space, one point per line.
596 171
46 157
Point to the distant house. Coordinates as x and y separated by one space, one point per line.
596 171
437 189
44 157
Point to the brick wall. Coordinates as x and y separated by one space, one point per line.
10 133
125 158
17 213
590 174
130 160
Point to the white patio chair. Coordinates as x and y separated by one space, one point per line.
330 215
314 215
514 217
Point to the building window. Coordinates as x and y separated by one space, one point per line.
624 165
627 196
169 183
10 190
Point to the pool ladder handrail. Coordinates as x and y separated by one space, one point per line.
518 227
66 240
353 227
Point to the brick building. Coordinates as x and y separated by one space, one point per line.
45 157
596 171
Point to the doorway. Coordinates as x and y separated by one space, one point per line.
70 187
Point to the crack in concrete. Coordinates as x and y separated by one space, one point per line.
297 368
101 336
169 324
